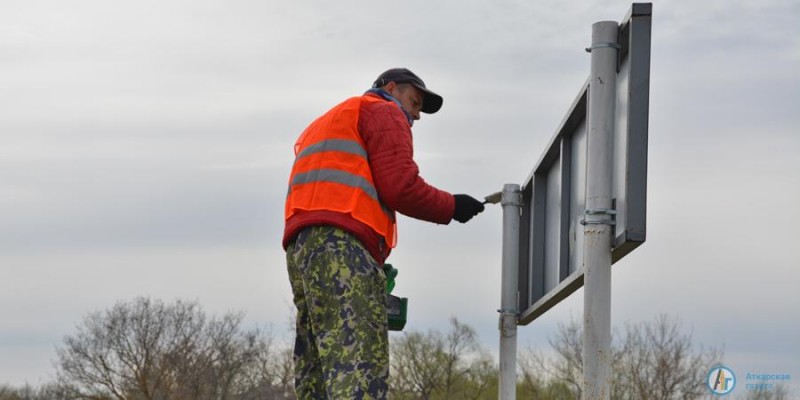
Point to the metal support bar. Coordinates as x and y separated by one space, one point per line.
509 308
598 228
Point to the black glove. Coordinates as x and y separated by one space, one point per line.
466 207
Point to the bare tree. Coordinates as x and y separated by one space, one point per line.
48 391
282 376
481 377
655 361
433 365
535 381
659 362
460 343
415 366
148 350
568 365
8 393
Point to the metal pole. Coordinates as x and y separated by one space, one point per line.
512 206
599 229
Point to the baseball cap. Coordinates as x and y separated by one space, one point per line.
431 102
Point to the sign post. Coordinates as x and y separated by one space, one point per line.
512 204
598 223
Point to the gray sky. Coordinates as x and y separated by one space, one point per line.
145 148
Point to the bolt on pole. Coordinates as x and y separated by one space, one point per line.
509 313
598 224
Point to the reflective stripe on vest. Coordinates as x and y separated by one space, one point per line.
343 145
331 172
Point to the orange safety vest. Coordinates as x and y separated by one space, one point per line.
331 171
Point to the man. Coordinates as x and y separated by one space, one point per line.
353 170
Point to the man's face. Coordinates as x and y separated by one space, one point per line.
410 97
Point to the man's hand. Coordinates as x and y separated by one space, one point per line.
466 207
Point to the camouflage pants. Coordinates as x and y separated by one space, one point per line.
341 349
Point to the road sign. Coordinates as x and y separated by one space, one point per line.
554 195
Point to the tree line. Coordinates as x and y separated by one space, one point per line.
146 349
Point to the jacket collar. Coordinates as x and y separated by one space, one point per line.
386 96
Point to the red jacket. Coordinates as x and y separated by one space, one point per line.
386 133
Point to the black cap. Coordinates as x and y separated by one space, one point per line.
432 101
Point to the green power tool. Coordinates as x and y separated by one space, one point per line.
396 307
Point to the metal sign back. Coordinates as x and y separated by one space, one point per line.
551 235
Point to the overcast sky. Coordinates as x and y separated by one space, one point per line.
145 148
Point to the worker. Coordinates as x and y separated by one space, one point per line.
353 171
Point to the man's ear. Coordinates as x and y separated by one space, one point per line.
389 87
